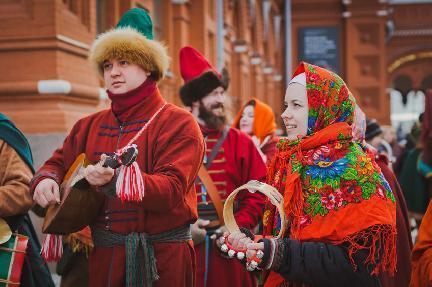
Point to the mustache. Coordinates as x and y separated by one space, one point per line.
216 106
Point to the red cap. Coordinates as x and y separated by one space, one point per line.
193 64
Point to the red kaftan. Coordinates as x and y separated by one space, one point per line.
237 162
170 154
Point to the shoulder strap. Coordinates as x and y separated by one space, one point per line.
217 146
212 192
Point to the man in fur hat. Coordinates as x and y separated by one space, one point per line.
142 234
231 160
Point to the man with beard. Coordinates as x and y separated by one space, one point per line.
231 160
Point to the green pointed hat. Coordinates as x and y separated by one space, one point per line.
131 40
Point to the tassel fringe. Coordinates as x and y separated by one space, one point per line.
130 184
52 248
380 241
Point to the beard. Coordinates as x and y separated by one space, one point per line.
211 120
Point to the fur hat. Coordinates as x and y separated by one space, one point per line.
373 129
131 40
199 75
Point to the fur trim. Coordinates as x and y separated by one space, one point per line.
200 87
127 43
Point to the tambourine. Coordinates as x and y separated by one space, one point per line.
253 186
230 223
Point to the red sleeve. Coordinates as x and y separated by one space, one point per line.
58 164
178 158
270 149
251 167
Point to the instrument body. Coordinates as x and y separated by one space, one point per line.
79 204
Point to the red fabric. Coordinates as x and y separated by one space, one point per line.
403 240
193 64
223 272
269 149
18 258
175 263
422 253
169 158
122 102
237 162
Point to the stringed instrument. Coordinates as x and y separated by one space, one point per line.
80 202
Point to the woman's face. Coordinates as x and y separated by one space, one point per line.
295 116
247 119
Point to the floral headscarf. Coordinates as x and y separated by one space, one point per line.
333 191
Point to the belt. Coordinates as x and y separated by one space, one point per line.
140 266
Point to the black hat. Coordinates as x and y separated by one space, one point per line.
373 129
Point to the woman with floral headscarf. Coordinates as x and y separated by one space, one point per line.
340 209
257 119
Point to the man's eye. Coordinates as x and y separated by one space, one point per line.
107 66
123 62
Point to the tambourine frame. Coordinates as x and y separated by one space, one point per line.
254 186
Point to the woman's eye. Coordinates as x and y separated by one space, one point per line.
123 62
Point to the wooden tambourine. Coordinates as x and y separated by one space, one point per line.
253 186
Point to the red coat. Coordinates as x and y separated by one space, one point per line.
403 241
237 162
170 154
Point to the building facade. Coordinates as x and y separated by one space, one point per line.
46 82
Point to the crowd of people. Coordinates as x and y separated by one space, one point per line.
352 192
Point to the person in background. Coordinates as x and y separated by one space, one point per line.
413 184
403 240
16 171
231 160
257 120
374 137
389 136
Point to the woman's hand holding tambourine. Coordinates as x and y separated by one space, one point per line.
236 243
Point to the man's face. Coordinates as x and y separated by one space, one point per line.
214 102
212 109
121 76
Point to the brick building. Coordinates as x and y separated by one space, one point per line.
46 83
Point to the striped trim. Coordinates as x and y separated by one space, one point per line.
215 182
217 171
12 255
221 150
209 202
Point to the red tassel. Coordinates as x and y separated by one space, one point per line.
130 184
52 248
